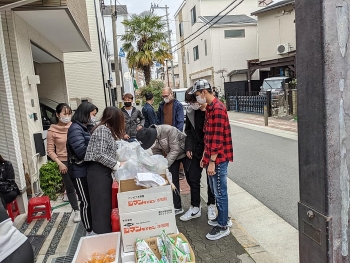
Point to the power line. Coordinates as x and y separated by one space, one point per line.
206 23
207 27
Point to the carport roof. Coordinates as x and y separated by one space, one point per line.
274 6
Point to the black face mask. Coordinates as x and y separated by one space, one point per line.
127 104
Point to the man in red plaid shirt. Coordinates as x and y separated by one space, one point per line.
218 152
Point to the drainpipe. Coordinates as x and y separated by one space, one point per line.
99 47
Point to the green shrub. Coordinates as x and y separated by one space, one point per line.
51 180
155 86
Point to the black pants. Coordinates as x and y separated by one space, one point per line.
100 187
23 254
82 189
211 197
193 176
70 189
174 169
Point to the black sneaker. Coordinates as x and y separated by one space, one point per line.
215 222
218 232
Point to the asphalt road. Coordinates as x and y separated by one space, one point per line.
266 166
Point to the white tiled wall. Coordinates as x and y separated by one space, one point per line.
83 70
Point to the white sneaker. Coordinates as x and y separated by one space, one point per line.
211 212
178 211
193 212
65 197
92 233
76 217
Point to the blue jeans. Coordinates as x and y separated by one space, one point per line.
218 184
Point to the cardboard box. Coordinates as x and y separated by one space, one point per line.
152 243
127 257
146 224
99 244
132 198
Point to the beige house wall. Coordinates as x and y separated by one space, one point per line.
52 82
83 69
18 36
228 53
274 28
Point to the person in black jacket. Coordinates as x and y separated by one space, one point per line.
134 119
78 138
7 174
194 146
148 111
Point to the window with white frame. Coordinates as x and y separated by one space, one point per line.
181 29
195 53
193 15
237 33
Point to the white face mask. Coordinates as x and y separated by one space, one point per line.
166 100
93 119
200 99
65 119
195 106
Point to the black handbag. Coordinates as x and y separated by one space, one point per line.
7 185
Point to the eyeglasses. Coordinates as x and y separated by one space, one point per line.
165 96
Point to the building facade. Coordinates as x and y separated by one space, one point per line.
33 41
221 52
88 74
276 40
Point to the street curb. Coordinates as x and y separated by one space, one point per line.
266 129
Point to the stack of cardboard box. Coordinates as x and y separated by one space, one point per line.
144 213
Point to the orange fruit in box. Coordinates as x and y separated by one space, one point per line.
111 251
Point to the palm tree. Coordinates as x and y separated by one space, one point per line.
145 42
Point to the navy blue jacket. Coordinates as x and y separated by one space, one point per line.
149 114
78 138
178 115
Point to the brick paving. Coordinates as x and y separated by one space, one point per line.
225 250
286 125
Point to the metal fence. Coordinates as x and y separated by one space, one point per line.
252 104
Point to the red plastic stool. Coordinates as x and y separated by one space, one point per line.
115 187
115 220
12 209
39 204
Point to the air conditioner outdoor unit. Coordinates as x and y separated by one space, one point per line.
283 48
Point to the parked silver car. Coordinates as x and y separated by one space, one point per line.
275 85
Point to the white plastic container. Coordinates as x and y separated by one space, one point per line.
98 244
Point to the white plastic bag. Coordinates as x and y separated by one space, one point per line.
130 169
126 151
161 164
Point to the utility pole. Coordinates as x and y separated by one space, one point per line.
324 129
115 46
154 6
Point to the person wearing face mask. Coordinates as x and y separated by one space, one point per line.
170 111
194 146
57 151
218 152
78 138
148 111
134 119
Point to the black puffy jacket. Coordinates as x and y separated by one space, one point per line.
78 138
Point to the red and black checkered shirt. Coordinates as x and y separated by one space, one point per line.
217 130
